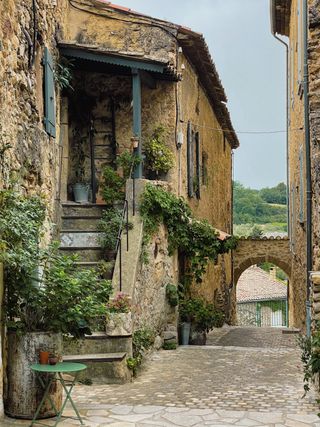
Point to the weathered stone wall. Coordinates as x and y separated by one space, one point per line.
150 305
119 33
297 170
27 154
215 188
314 106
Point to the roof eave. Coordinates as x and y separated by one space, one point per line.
280 17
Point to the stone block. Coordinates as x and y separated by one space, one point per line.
170 335
119 324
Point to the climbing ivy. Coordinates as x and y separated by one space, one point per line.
195 238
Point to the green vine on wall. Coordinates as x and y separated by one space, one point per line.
196 239
310 357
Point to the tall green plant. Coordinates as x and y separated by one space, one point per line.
62 298
21 219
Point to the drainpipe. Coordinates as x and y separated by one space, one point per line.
287 109
308 161
272 7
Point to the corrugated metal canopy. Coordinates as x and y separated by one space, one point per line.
86 53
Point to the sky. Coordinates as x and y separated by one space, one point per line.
251 65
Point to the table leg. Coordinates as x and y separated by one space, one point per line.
43 385
68 397
47 388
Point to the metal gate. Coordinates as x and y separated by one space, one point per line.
272 313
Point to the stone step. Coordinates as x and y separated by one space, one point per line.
96 265
103 357
97 343
102 368
80 239
72 223
82 210
93 254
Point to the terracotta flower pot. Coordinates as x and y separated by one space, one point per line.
44 357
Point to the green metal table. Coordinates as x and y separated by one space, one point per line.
57 371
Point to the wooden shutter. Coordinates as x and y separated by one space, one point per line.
49 95
190 159
198 165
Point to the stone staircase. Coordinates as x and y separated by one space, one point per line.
105 356
79 233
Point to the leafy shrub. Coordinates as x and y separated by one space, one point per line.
159 157
112 186
109 225
21 219
128 162
172 295
69 299
202 314
310 356
142 340
169 345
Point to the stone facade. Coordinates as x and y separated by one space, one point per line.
184 93
289 22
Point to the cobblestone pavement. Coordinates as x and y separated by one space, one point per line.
243 377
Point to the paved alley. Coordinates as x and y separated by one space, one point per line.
243 377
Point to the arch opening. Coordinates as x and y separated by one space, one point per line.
262 295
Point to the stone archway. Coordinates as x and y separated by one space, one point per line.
252 251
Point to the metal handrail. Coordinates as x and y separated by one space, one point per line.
124 217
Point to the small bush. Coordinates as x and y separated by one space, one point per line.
172 295
169 346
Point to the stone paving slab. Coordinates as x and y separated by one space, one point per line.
237 380
144 416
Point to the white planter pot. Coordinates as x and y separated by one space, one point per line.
119 324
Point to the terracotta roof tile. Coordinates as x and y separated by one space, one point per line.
255 284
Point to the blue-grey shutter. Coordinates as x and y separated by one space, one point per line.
198 165
49 95
190 160
301 186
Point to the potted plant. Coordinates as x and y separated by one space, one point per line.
202 315
119 319
159 158
80 187
64 300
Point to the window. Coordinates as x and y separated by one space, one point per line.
49 95
197 165
204 163
193 162
190 159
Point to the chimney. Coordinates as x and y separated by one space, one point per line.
273 273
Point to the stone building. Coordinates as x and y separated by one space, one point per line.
299 22
130 73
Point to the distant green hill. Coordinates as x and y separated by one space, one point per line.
265 207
